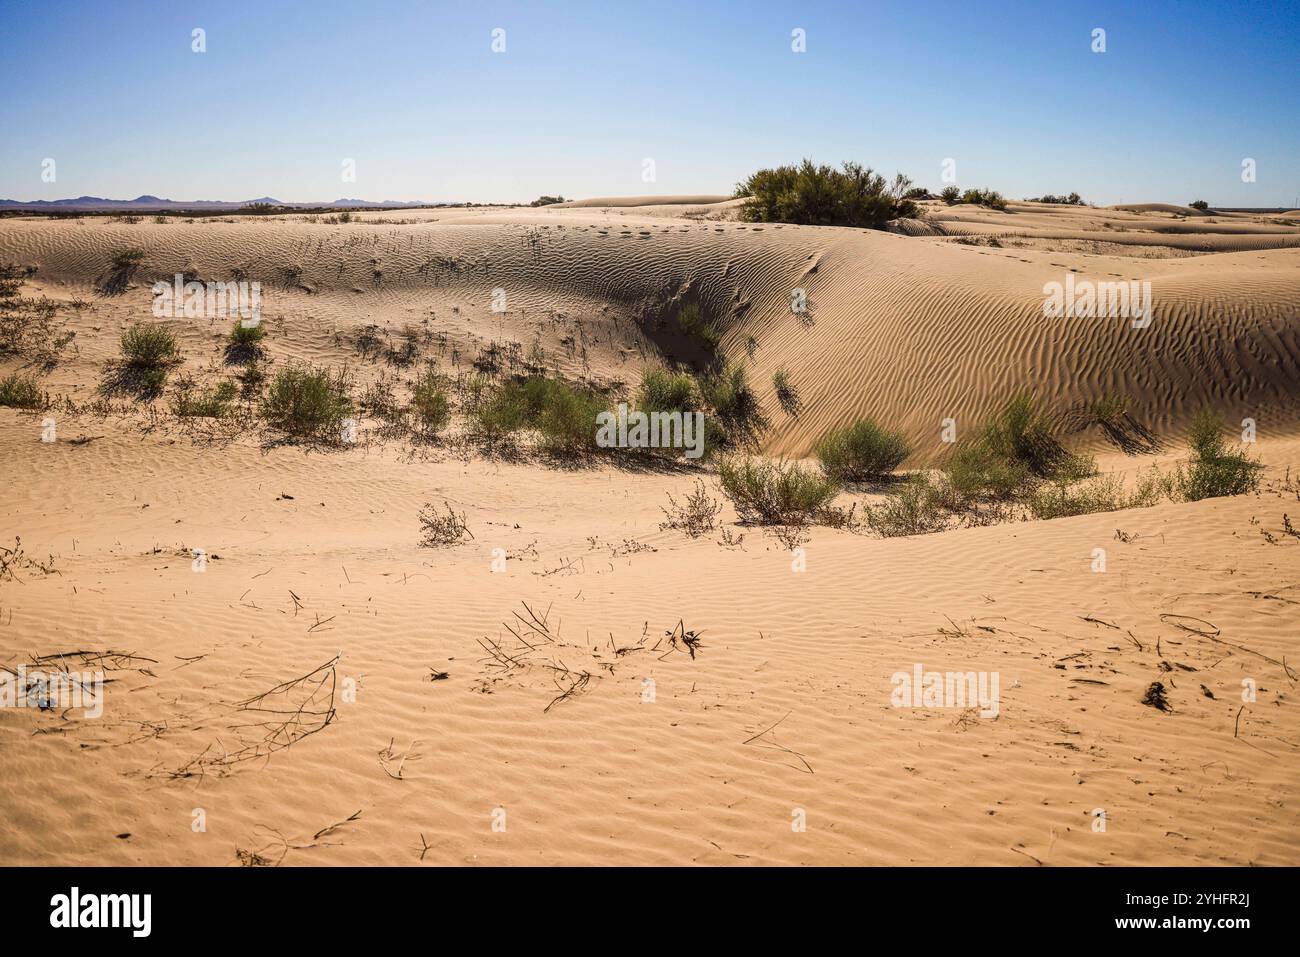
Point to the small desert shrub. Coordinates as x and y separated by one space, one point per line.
1062 499
984 197
245 342
1072 200
917 192
191 402
1214 470
951 195
251 379
861 452
147 345
429 404
1022 432
568 418
735 407
664 391
974 471
22 392
122 267
786 394
438 530
772 493
914 509
696 515
695 325
564 414
820 195
307 402
1199 204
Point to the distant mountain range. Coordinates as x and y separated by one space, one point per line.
145 203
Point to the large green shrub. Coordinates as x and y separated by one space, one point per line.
820 195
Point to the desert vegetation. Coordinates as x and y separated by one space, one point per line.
819 195
307 402
861 452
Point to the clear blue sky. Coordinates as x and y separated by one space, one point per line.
585 90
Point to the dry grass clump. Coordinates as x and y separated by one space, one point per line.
192 402
27 326
439 530
695 516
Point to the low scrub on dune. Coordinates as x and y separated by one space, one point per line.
307 402
244 344
563 415
192 402
738 420
916 508
665 391
149 351
775 493
1214 469
861 452
430 408
989 198
819 195
22 392
786 393
693 324
1105 493
951 195
1072 200
28 326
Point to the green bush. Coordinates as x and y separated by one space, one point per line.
1214 470
819 195
786 394
564 414
695 325
147 345
307 402
206 403
950 195
245 342
735 407
22 392
664 391
974 471
429 404
861 452
984 197
917 508
770 493
1199 204
1062 499
1022 432
568 419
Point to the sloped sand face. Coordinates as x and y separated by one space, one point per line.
549 708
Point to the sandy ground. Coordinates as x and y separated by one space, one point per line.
328 692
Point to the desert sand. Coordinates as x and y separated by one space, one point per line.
411 741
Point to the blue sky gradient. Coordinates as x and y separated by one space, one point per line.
586 90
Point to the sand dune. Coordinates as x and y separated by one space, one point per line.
783 712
